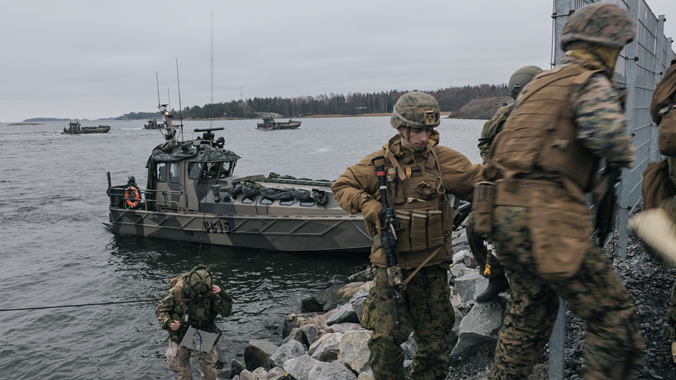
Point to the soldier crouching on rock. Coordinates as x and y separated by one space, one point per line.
188 313
546 158
420 174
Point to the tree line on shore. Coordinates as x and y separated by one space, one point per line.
450 99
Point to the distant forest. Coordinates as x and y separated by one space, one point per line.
450 99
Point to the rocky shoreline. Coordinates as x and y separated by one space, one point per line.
326 341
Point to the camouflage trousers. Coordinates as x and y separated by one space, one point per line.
613 342
480 252
424 309
178 359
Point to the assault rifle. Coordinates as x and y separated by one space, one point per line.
606 208
388 238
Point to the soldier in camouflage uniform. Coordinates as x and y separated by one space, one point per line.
545 160
489 266
192 301
657 226
420 174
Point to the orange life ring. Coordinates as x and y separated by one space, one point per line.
132 201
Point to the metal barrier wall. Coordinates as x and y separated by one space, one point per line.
641 66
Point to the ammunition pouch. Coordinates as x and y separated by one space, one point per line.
418 230
482 206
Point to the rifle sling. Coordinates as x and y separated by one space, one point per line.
405 282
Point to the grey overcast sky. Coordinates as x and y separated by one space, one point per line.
95 59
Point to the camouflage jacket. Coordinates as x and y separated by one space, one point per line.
359 181
492 127
201 313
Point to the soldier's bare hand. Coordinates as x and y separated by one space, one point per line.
215 289
175 325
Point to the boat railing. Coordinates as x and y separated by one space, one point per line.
150 199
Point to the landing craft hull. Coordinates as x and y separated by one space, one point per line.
265 232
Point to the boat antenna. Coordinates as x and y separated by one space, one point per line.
159 103
169 97
211 119
157 79
180 107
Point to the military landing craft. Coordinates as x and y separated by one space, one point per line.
193 195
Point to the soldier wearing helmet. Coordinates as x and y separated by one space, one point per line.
420 174
543 162
193 302
489 266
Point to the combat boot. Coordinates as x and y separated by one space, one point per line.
496 285
657 231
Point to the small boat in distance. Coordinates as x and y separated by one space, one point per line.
153 124
269 124
74 128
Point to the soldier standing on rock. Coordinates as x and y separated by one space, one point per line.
420 174
192 305
546 158
489 266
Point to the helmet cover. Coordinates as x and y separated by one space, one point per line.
416 110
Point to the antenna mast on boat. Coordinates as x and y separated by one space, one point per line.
157 79
180 107
211 119
169 98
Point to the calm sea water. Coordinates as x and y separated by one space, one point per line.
56 251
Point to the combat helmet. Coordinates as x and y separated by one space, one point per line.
599 24
198 281
415 110
521 78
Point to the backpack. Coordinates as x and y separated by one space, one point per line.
663 111
656 184
175 284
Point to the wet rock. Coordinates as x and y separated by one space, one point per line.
344 314
287 351
326 348
331 371
257 354
457 270
353 350
470 285
465 257
484 318
310 304
309 334
257 374
294 321
236 367
306 368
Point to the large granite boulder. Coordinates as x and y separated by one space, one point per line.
354 351
257 354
